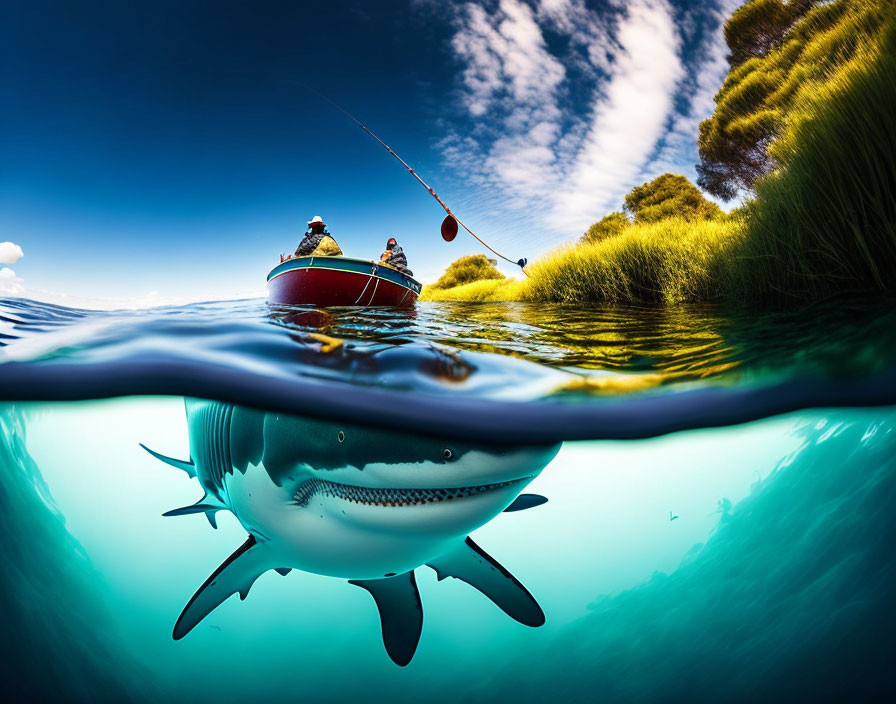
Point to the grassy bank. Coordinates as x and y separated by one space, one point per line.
825 221
486 290
822 222
671 261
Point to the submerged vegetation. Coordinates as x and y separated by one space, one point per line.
67 645
804 130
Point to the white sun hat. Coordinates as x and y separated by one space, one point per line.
316 220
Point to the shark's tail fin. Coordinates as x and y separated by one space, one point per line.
187 467
471 564
234 576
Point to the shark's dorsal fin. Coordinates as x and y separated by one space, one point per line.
401 613
471 564
234 576
524 501
187 467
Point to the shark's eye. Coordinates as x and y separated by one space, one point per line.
447 454
341 436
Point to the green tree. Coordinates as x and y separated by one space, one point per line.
669 195
777 49
608 226
758 26
475 267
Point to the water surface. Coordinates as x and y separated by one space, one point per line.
718 526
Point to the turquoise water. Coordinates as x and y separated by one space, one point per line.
746 555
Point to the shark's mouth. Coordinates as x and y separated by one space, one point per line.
388 497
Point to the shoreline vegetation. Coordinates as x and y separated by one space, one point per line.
803 131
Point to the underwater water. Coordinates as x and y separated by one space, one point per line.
719 521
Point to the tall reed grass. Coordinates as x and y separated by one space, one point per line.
671 261
825 221
478 291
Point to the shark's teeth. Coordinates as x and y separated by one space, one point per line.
387 497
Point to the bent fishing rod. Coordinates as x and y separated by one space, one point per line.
451 221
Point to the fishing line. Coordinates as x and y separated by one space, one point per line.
521 263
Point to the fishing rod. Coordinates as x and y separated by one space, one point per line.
451 221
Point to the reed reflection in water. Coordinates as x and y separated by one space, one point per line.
680 343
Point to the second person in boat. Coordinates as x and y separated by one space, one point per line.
317 241
395 257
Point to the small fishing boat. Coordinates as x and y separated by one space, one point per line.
340 281
344 281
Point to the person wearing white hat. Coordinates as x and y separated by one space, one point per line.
317 241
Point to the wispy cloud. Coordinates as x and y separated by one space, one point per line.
709 68
628 117
511 79
506 57
568 108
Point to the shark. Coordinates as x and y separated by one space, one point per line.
355 502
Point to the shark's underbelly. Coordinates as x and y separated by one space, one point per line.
357 532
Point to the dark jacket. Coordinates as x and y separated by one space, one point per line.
313 240
396 258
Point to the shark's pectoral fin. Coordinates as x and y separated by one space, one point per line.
187 467
471 564
194 508
208 505
524 501
234 576
401 613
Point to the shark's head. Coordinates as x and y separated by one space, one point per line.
356 501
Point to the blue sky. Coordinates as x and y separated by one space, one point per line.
162 152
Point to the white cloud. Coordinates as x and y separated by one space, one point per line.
10 253
10 284
587 31
571 107
507 61
628 118
712 67
510 83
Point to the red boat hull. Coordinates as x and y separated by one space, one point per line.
340 281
